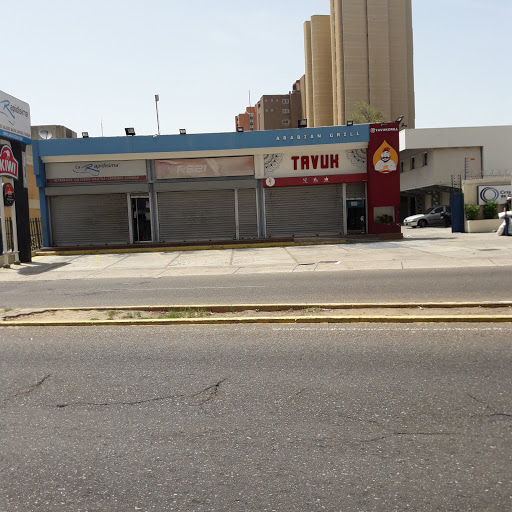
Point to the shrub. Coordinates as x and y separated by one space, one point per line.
490 209
384 219
471 211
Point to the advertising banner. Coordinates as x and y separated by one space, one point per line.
498 193
383 178
204 167
14 118
95 172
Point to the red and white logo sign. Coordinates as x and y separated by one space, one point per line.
8 164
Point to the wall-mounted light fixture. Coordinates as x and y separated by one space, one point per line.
183 131
129 131
85 135
302 123
350 122
399 119
240 129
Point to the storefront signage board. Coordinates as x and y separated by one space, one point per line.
204 167
383 189
8 194
14 118
297 181
8 164
498 193
95 172
332 160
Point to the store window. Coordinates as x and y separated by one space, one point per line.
384 215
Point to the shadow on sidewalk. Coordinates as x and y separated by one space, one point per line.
40 268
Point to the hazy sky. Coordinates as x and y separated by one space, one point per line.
83 63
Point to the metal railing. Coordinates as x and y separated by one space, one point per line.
36 233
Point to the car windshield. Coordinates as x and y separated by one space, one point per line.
429 210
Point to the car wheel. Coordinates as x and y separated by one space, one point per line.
422 223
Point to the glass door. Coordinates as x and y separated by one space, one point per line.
141 219
356 216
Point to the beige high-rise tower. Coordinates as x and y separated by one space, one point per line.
370 59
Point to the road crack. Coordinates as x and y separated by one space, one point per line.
494 411
210 390
27 391
393 434
212 393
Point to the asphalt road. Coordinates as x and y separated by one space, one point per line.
256 418
431 285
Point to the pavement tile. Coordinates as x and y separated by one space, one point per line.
370 265
428 248
305 268
195 271
268 269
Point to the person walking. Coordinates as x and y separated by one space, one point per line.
506 209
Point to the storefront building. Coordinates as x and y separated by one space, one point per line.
329 181
15 137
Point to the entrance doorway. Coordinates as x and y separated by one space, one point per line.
141 219
356 216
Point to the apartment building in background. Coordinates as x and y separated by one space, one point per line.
274 111
247 120
362 51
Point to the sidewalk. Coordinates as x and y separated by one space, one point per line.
419 249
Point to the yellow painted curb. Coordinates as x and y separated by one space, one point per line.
267 320
192 248
231 308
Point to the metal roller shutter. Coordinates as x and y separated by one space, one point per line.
247 214
89 220
356 190
304 211
196 215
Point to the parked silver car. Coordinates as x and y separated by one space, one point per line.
435 216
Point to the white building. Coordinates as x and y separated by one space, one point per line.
435 162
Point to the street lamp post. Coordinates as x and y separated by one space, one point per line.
157 98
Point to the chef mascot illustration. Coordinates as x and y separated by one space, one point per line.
385 164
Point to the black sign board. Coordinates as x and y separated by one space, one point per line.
8 193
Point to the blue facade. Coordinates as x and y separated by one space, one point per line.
204 142
148 147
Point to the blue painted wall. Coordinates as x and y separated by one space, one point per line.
204 142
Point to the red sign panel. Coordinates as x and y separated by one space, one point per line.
8 164
314 180
383 166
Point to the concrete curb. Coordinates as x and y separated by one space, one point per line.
205 247
230 308
268 320
312 318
